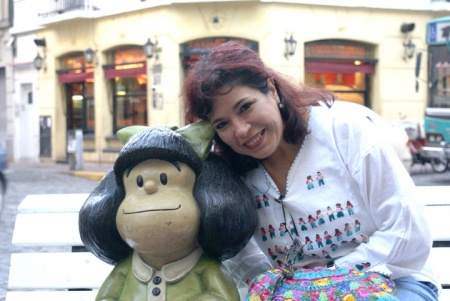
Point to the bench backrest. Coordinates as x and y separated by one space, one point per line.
52 221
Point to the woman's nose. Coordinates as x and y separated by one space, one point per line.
150 187
242 128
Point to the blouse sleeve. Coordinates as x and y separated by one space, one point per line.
247 264
403 240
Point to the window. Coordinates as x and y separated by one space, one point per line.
130 101
129 83
80 106
341 66
78 79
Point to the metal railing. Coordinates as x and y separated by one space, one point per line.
51 8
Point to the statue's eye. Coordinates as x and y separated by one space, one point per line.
139 181
163 178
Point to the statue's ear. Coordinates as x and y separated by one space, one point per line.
199 135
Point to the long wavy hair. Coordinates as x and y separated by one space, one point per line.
232 64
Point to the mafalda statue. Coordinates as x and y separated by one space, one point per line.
166 218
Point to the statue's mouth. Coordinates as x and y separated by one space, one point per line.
151 210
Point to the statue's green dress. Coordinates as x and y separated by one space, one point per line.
194 278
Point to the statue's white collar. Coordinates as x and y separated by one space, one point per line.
171 272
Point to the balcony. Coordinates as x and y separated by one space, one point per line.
56 11
440 5
51 8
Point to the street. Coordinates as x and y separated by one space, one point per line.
424 176
56 178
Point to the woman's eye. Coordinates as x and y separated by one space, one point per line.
139 181
220 125
163 178
245 107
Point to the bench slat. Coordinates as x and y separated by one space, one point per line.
445 295
438 220
51 296
439 257
47 203
433 195
47 229
66 233
57 271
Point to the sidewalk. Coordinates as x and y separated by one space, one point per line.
91 171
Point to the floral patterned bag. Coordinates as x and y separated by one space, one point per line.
322 284
289 283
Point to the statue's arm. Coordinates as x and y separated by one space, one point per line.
218 285
112 287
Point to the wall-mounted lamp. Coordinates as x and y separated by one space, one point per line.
12 44
89 55
290 46
410 49
409 46
39 62
151 49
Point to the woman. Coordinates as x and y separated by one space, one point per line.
276 133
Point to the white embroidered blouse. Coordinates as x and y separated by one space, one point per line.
349 199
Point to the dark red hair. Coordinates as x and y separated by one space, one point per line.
232 64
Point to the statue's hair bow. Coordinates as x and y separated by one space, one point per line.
199 135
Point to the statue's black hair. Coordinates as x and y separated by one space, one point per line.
227 211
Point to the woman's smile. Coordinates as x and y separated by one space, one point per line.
255 141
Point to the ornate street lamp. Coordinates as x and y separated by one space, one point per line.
290 46
89 55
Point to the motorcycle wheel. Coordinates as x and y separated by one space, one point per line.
439 165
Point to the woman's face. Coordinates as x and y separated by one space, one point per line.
248 120
159 214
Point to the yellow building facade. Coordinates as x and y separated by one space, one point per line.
357 52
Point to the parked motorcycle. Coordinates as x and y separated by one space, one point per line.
415 147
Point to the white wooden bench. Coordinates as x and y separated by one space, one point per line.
72 274
76 275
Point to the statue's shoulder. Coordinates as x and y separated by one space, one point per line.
208 262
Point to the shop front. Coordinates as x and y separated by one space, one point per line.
344 67
124 86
